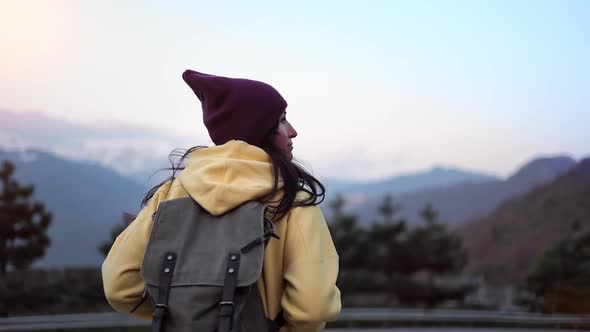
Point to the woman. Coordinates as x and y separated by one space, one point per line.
252 160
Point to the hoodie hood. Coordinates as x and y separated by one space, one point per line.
223 177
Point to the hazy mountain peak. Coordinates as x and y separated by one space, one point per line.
441 169
436 177
455 171
25 156
543 168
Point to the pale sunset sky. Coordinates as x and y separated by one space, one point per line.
375 88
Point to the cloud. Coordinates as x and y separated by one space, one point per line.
129 149
360 163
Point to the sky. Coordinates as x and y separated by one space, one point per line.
375 88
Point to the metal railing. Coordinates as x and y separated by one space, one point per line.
442 317
348 317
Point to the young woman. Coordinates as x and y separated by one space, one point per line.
251 160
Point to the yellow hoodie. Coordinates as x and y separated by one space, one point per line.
300 269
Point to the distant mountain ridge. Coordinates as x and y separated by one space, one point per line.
541 170
504 244
458 202
86 200
404 183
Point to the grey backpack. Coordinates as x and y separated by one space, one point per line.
201 271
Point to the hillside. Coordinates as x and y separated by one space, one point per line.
505 243
86 200
459 202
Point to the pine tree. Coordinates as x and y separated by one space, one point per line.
348 236
385 239
432 250
438 250
560 279
388 209
429 215
23 223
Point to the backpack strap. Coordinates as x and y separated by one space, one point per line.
226 306
163 291
140 302
269 232
280 320
276 324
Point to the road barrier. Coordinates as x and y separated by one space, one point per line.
348 318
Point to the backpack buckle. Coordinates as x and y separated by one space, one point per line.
226 309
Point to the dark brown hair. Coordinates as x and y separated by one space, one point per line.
295 179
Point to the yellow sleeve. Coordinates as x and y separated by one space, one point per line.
311 267
122 282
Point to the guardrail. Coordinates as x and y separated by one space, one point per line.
70 321
348 317
441 317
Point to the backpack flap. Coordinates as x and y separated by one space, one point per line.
202 243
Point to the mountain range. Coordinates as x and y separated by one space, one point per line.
436 177
504 245
88 199
462 200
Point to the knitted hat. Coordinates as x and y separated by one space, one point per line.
235 108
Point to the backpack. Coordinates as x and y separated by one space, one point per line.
202 270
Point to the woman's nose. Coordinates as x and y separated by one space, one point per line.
292 131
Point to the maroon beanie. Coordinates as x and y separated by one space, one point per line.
235 108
